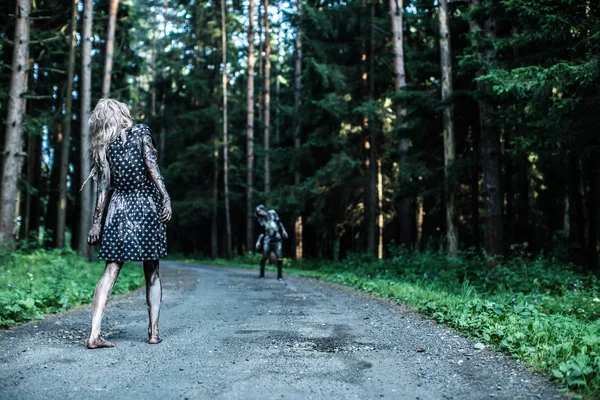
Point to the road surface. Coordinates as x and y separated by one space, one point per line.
229 335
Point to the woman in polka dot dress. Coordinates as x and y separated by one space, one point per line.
124 159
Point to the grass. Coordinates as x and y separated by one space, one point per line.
34 283
540 311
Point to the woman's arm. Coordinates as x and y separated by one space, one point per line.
151 160
101 195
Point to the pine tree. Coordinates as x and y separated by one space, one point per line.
86 104
449 140
14 124
250 133
110 44
65 140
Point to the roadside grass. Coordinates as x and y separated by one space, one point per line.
38 282
540 311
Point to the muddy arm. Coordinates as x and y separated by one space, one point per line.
258 242
101 196
151 160
283 231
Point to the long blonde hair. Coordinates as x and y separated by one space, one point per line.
109 120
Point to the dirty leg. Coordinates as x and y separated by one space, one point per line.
101 296
153 299
279 269
263 260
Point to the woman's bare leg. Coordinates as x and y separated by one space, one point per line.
153 299
101 296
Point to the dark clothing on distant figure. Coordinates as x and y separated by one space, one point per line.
272 236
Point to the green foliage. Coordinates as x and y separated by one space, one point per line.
42 282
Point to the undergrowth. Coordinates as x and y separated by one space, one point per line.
38 282
540 311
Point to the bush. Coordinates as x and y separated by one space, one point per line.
38 282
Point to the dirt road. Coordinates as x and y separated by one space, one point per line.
229 335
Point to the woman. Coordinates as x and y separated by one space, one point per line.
124 159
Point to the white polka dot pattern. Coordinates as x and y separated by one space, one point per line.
132 230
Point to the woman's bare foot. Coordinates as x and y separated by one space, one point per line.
99 343
154 340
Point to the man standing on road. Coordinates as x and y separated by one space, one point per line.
270 239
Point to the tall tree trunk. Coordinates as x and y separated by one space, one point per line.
214 236
406 219
65 137
380 206
509 192
110 46
369 125
592 254
163 128
449 141
297 102
86 103
267 105
154 75
14 122
523 234
225 135
261 65
474 177
278 87
250 134
31 202
577 242
491 153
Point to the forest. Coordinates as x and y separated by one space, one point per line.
441 153
367 125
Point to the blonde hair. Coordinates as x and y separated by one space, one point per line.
109 120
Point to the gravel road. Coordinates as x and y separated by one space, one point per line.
229 335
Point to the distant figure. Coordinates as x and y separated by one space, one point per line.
124 159
270 240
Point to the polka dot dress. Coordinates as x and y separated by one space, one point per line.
132 230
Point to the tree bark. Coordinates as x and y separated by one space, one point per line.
261 65
369 125
110 46
250 134
163 128
380 206
298 244
31 203
278 88
449 140
65 137
154 75
406 219
267 105
592 253
14 122
225 135
214 237
86 103
474 178
577 242
491 153
523 198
